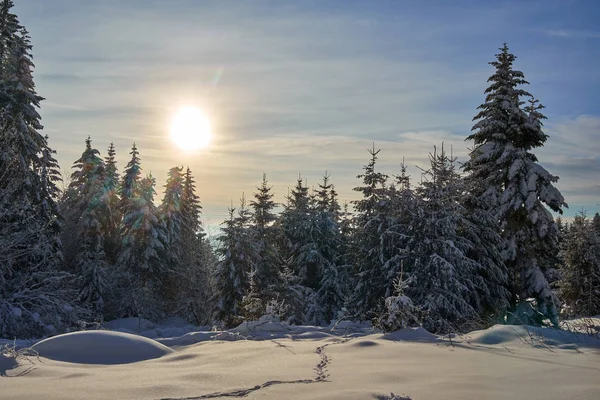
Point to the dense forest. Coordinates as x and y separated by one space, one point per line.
464 247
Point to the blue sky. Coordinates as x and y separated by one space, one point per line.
307 86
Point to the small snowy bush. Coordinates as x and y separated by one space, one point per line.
399 313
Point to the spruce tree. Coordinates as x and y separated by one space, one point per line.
296 222
83 209
332 288
192 282
173 219
446 279
371 220
172 214
129 189
580 274
402 209
596 222
265 276
36 297
111 219
142 259
506 177
236 252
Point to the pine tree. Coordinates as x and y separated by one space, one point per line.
36 297
172 214
580 275
83 209
192 282
173 219
265 276
596 222
402 209
236 253
296 222
446 279
332 289
111 219
510 183
142 257
130 183
372 219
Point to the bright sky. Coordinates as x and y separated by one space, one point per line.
307 86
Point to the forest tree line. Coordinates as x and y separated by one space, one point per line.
465 247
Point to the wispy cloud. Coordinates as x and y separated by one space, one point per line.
570 33
299 87
573 153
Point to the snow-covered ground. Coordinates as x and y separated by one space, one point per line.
270 360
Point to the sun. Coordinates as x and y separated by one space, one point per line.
190 129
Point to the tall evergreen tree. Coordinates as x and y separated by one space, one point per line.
596 222
83 209
446 280
579 286
172 213
130 183
265 277
296 222
33 290
332 289
111 219
402 209
510 183
237 255
372 219
173 219
142 259
191 283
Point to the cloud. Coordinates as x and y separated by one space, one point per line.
573 153
570 33
301 89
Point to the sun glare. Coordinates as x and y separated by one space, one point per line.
190 129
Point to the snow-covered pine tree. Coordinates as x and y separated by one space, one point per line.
399 311
510 183
297 223
402 209
265 276
143 259
236 252
370 221
442 280
34 293
596 222
130 184
194 291
190 214
579 286
333 286
111 220
479 225
171 214
83 209
229 279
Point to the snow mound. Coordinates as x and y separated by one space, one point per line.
411 335
100 347
535 336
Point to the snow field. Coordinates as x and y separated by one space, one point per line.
278 361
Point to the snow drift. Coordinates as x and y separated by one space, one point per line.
100 347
